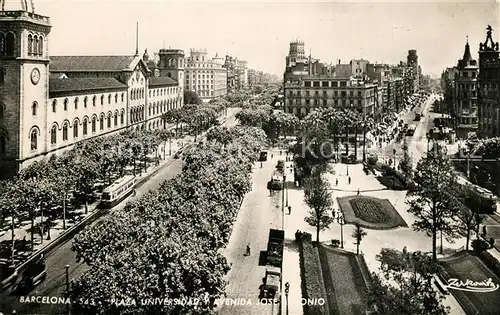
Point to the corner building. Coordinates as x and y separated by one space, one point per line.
205 76
47 103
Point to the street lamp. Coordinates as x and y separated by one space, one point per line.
283 203
67 285
287 289
340 220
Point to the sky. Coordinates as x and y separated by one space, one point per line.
260 31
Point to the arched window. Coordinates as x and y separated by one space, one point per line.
101 122
53 135
102 99
123 97
85 100
122 118
116 119
109 121
65 104
34 139
2 75
94 100
75 129
40 46
65 131
10 44
109 99
149 93
36 45
76 102
93 124
54 106
30 45
116 97
85 122
34 107
149 110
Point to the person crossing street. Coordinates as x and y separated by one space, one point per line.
248 250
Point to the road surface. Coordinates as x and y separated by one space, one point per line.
55 284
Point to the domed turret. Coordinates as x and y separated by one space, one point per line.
18 5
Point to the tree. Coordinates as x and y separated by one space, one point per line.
468 218
191 97
317 196
404 284
358 234
406 163
430 200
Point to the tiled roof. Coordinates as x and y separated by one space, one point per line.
83 84
161 81
89 63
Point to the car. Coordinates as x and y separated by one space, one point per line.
263 156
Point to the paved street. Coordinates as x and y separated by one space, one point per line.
259 212
55 283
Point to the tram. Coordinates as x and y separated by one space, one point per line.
119 190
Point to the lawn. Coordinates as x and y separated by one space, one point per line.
465 266
346 291
369 212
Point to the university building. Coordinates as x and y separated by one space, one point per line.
48 103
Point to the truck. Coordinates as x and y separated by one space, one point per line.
277 181
275 247
271 284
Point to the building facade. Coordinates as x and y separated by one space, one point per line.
412 61
205 76
237 73
489 87
465 94
49 103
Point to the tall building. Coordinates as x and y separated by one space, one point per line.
465 94
412 61
237 73
489 86
205 76
49 103
309 84
448 86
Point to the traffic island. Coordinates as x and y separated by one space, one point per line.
370 212
471 282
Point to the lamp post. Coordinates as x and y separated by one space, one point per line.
287 289
283 204
170 146
67 285
340 220
364 141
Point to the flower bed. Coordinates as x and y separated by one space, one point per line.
370 212
313 286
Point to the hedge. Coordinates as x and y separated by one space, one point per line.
313 286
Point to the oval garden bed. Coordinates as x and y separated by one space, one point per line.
370 212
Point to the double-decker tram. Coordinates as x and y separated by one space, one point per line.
119 190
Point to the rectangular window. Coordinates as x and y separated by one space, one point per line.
316 83
343 84
324 84
307 83
324 102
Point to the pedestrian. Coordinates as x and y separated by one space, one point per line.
336 181
358 191
260 164
289 210
272 155
349 180
248 249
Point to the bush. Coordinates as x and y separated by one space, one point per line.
490 261
480 245
391 182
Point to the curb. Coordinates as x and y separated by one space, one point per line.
96 214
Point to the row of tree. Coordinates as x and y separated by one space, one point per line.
168 243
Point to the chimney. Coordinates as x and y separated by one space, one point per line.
339 61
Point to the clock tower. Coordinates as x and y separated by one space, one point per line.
24 83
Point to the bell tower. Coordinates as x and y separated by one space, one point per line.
24 75
172 65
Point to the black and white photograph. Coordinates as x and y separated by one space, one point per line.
254 157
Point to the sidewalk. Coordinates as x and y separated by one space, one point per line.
73 217
375 239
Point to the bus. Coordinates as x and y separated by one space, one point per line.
118 191
277 181
411 130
